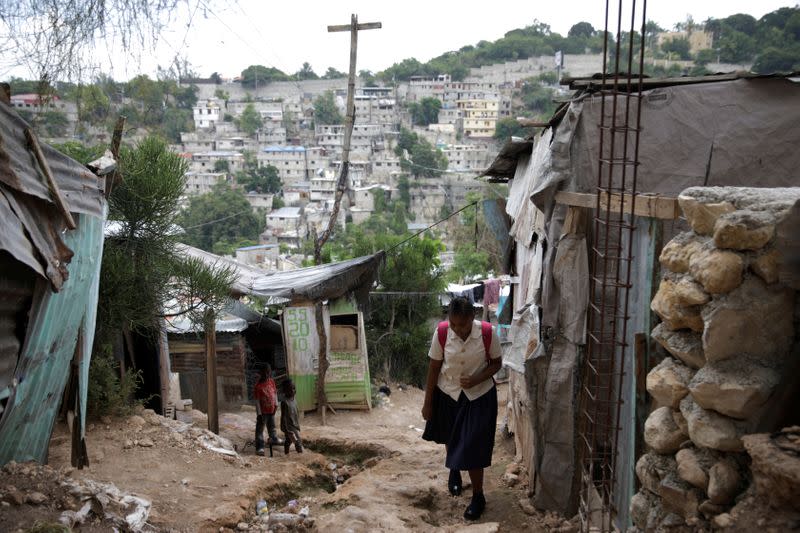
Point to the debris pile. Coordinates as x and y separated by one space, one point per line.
32 493
729 324
294 516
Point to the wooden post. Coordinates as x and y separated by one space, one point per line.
350 117
163 365
211 370
322 367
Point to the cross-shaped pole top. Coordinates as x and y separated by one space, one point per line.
355 26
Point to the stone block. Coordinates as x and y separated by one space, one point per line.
668 382
677 252
776 466
744 230
710 509
690 292
662 433
684 345
703 215
737 387
767 266
755 319
679 497
651 468
711 429
641 503
667 305
693 466
718 271
724 482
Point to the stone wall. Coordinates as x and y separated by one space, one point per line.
729 326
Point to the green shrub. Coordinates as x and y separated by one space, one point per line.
108 394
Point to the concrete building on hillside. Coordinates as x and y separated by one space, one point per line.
207 161
420 87
202 182
698 39
286 225
259 200
36 103
294 163
207 113
366 138
467 157
297 194
480 117
260 255
385 166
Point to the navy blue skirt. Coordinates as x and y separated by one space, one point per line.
466 427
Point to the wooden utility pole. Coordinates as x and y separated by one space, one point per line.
350 116
341 186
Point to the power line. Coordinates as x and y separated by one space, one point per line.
420 232
219 219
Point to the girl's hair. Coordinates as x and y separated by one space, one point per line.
265 371
461 306
286 388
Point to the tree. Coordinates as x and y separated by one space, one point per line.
418 156
736 47
141 271
93 104
258 75
508 127
260 179
250 120
216 78
581 29
306 73
678 46
426 111
58 40
54 123
219 218
176 121
741 22
368 78
705 56
325 110
773 60
333 74
222 165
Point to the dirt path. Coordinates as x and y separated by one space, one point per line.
389 479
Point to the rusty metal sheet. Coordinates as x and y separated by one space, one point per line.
20 171
50 343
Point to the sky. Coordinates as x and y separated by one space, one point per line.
226 36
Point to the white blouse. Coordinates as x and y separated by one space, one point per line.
463 358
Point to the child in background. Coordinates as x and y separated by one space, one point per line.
290 419
266 395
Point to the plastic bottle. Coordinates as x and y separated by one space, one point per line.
261 507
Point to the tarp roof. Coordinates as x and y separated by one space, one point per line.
317 283
323 282
737 132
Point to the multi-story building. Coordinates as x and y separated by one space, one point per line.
202 182
294 163
207 161
259 200
420 87
480 117
286 225
467 157
375 105
207 113
366 138
37 103
385 166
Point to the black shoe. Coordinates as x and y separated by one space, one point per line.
454 483
476 507
286 447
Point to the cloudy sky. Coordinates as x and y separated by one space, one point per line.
228 35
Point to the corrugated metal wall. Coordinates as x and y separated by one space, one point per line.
49 347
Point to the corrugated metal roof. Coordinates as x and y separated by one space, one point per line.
50 343
32 224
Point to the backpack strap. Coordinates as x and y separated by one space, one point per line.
486 333
441 330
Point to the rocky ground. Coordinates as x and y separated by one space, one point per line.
364 471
